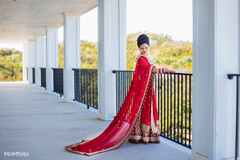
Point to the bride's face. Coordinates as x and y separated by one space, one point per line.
144 48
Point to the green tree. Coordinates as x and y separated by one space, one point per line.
164 52
89 54
10 65
60 55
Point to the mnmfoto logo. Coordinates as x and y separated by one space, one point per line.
17 154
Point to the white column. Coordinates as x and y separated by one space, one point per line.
39 58
226 54
25 62
71 53
44 57
122 11
215 54
111 52
52 56
31 60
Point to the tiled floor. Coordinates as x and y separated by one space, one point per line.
41 124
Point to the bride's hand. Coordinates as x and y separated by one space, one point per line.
169 71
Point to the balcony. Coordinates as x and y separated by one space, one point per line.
42 124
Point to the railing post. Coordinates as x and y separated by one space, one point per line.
230 76
237 101
33 75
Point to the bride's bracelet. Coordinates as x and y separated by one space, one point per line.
161 70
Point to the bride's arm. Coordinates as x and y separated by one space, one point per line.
161 70
155 70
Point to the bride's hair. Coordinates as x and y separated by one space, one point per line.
143 38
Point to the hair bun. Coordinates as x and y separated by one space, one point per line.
143 38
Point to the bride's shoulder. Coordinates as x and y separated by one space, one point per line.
142 58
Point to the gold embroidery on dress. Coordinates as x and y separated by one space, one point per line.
143 132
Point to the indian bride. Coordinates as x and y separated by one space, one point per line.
137 119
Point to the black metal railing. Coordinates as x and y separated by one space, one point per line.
230 76
43 77
86 86
33 75
174 102
123 81
58 80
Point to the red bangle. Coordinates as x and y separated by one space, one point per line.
161 70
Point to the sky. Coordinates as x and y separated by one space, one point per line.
172 17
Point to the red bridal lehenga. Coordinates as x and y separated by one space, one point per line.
137 119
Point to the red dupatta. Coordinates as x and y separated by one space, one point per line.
120 128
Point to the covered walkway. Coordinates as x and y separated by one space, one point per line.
41 124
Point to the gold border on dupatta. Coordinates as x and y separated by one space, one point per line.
130 129
154 139
135 137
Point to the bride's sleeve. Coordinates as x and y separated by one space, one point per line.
143 64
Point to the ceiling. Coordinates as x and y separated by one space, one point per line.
23 20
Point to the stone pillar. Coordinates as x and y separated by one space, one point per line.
39 58
25 62
71 53
31 59
52 56
215 54
111 52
